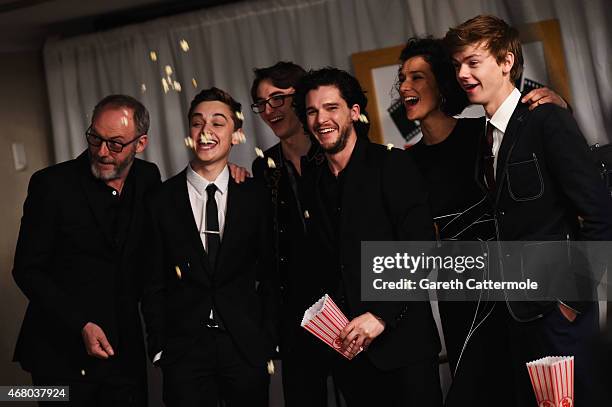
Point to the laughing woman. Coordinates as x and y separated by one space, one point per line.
446 156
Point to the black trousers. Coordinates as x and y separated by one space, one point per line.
306 367
479 366
112 391
554 335
211 370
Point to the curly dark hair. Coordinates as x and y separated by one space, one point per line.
454 99
216 94
349 87
283 75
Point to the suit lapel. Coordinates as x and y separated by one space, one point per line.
188 224
235 200
321 209
511 135
353 182
88 184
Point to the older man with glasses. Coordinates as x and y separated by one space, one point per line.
77 261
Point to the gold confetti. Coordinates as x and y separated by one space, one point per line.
82 372
178 269
389 146
271 163
194 82
153 56
143 88
177 86
168 70
189 142
165 85
124 121
239 115
259 152
363 118
306 214
241 137
270 367
184 45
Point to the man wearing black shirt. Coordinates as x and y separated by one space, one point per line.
272 92
77 261
365 193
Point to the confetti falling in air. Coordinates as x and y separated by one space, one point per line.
168 70
184 45
239 137
259 153
389 146
82 372
176 86
239 115
177 269
189 142
206 137
194 82
153 56
143 88
165 85
271 163
124 121
363 118
270 367
306 214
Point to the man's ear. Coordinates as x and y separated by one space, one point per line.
508 63
141 144
355 112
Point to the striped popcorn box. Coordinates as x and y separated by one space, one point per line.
552 379
325 321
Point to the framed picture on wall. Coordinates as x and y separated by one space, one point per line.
377 72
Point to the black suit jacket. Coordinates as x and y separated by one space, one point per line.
71 271
242 287
545 179
383 199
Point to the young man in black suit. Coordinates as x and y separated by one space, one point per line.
363 192
540 178
210 305
77 261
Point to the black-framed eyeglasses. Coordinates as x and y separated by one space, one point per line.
116 147
273 101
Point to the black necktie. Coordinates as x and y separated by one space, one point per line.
489 158
213 239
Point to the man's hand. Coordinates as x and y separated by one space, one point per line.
541 96
362 330
95 341
239 174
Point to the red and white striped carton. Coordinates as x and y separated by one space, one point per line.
552 379
325 321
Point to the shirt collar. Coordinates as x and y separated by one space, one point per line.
502 116
200 183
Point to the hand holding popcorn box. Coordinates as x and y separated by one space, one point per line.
552 379
325 321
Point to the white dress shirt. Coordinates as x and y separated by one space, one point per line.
196 187
500 120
